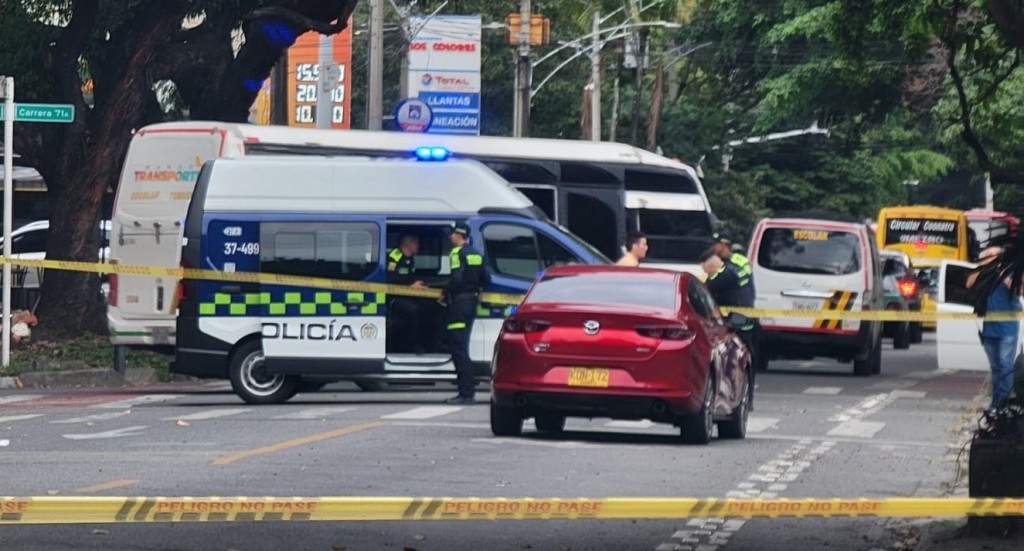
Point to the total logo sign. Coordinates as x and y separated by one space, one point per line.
450 82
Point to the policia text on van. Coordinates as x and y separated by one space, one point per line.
340 223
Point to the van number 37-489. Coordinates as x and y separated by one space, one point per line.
241 248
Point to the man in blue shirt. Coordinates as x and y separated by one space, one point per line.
999 338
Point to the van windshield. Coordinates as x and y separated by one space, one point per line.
810 251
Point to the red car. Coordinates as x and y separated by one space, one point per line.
625 343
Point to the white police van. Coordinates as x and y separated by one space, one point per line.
338 218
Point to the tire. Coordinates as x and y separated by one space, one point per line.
550 423
916 332
505 421
697 429
871 365
252 384
901 340
372 386
736 427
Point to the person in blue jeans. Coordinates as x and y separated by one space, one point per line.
999 338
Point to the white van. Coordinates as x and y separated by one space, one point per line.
598 190
247 215
814 265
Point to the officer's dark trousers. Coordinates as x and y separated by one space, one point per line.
404 327
459 323
749 338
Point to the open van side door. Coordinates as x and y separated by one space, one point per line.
958 344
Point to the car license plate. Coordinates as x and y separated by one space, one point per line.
807 305
588 376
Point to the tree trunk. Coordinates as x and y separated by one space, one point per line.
654 116
616 104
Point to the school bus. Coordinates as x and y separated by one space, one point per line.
928 235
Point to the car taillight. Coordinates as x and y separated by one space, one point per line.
908 287
112 287
525 326
670 332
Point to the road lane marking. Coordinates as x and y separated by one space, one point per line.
857 429
761 424
823 390
6 400
10 418
314 413
116 433
294 443
210 414
138 400
424 412
107 486
91 418
913 394
623 424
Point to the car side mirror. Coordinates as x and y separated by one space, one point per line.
736 321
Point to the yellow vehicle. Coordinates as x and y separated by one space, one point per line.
928 235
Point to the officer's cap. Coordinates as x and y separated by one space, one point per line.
722 237
461 229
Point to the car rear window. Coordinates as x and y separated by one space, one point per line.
627 289
810 251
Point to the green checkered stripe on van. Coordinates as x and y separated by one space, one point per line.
294 303
499 311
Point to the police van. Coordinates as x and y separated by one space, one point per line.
339 218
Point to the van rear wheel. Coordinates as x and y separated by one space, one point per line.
872 364
252 383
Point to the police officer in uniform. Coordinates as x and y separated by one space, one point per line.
723 247
461 296
407 313
727 286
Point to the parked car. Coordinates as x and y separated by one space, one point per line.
902 293
625 343
29 242
817 264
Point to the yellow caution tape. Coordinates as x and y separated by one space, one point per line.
250 277
492 298
102 510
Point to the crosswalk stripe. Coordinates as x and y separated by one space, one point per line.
823 390
639 424
761 424
209 414
20 417
18 398
857 429
424 412
314 413
138 400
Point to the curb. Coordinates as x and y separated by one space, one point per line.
80 378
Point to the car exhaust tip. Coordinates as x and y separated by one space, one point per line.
520 400
659 407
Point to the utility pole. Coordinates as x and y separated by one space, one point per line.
595 79
8 107
324 87
375 97
521 125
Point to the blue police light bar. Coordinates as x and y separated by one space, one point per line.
432 153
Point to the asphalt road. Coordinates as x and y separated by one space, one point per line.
817 431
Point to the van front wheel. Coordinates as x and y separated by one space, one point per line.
252 383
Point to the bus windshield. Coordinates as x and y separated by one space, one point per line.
928 235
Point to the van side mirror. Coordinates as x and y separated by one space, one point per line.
736 321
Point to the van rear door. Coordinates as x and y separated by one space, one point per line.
156 185
957 343
811 267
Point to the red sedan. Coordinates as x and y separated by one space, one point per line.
625 343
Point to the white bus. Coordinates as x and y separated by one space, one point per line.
598 190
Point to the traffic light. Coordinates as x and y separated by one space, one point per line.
540 29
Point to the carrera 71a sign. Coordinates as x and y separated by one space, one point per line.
41 112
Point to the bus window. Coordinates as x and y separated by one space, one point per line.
927 234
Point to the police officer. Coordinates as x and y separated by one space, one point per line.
725 284
461 296
406 312
724 248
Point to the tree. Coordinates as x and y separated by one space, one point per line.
212 54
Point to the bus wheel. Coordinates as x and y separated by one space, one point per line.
252 383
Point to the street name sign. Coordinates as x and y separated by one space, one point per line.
42 112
